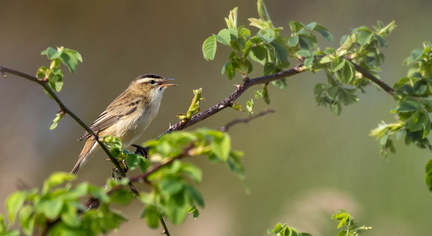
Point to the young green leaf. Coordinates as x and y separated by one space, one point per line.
250 106
262 11
151 214
14 203
324 32
429 175
224 36
209 48
70 59
69 215
56 179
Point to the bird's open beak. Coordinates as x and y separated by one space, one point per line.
163 83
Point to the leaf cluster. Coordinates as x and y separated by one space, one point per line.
172 194
273 51
58 204
285 230
413 95
53 75
347 227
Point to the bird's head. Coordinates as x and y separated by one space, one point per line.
150 85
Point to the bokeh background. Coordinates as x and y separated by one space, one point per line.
302 163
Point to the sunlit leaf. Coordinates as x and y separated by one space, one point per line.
209 48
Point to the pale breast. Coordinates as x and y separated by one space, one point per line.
138 122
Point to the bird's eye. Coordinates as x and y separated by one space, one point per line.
152 81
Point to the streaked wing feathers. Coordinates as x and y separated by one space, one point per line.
113 113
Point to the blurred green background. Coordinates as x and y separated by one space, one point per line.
302 163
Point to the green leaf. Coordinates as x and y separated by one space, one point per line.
260 24
407 105
281 53
122 196
195 212
221 146
209 48
267 35
280 83
70 216
177 208
265 94
365 37
231 21
151 214
26 219
224 36
229 69
134 160
416 54
324 32
429 175
250 106
70 59
14 203
244 32
269 68
337 64
51 208
258 54
293 41
343 217
56 120
262 11
295 26
52 53
306 42
196 196
418 121
192 171
304 53
311 26
336 108
347 72
56 179
98 193
171 185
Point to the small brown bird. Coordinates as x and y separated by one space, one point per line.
128 116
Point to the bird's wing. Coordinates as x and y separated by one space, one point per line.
113 113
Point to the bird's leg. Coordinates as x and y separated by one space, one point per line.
143 151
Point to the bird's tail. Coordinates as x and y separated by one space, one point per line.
89 149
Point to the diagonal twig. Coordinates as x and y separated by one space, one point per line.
64 109
245 120
228 101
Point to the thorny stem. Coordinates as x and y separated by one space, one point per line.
228 101
165 228
372 78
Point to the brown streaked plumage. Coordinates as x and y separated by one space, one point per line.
128 116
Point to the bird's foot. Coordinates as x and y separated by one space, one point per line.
143 151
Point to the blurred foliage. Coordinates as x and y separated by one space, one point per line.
346 221
57 208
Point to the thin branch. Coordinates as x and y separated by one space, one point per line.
245 120
164 226
228 101
373 78
64 109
